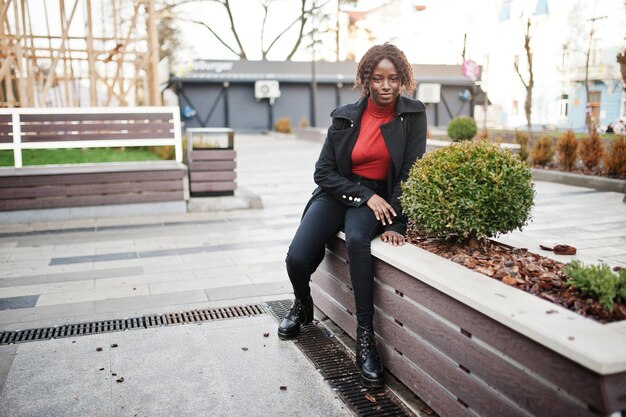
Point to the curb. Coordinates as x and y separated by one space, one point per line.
579 180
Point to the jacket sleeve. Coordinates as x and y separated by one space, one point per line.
329 178
414 148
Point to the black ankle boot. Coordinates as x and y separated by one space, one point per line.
301 313
367 359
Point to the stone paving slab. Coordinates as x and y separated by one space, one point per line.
221 368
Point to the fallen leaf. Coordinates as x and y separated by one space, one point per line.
98 349
369 397
546 247
114 345
509 280
564 250
102 369
570 338
244 348
551 311
283 387
485 271
120 379
266 334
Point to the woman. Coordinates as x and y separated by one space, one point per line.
369 149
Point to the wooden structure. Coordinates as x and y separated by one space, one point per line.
211 161
73 53
90 184
461 361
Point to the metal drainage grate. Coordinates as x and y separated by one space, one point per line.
144 322
338 368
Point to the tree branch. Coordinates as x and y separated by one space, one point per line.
302 20
232 27
216 36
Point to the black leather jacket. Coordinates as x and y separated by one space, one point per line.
405 137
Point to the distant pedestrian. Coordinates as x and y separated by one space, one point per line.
369 149
609 129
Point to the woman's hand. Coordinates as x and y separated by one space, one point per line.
393 238
381 208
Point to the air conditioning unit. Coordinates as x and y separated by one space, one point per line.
266 89
429 93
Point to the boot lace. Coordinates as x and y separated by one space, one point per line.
366 345
296 311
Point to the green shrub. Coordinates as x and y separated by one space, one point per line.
468 190
598 282
522 139
462 128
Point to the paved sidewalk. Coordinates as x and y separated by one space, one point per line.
86 270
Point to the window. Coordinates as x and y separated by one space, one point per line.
563 106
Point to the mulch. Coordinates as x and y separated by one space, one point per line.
519 268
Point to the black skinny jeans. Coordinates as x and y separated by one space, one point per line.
323 219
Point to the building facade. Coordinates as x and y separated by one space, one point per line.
227 93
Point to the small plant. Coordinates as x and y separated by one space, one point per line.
598 282
590 150
542 151
468 190
566 147
615 158
462 128
483 135
283 125
522 139
304 122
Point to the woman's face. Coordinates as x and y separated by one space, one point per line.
384 83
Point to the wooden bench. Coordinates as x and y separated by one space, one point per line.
74 185
211 158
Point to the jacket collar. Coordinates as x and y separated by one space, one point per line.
353 111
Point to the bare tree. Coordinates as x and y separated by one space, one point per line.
589 120
621 58
237 47
531 76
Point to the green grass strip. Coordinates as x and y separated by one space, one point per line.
78 156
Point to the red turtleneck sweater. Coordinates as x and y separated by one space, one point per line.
370 156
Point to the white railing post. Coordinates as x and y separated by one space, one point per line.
17 139
178 145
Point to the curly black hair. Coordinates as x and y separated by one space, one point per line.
371 59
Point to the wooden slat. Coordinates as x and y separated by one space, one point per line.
212 176
91 178
212 166
95 168
90 189
53 117
94 136
440 400
213 155
199 187
29 129
80 201
478 396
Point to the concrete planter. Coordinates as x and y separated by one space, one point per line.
580 180
469 345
